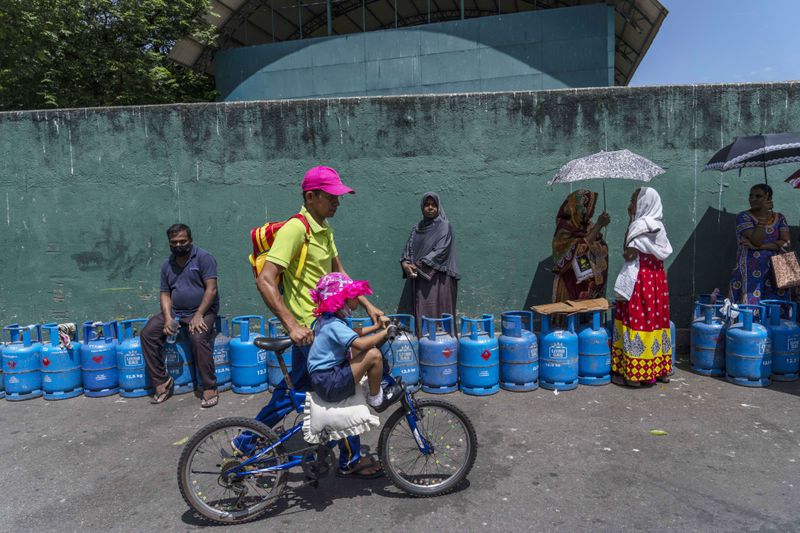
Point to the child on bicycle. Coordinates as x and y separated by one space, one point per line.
339 358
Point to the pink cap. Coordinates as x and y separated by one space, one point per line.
325 179
333 289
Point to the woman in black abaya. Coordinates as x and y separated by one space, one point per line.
430 265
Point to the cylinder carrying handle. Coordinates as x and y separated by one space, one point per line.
596 320
757 312
512 322
406 320
571 322
125 328
446 320
747 319
221 324
24 334
545 324
244 326
774 308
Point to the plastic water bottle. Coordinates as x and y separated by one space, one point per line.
177 325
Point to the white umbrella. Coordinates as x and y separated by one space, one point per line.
619 164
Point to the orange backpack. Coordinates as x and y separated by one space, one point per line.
264 236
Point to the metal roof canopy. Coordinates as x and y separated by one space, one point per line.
254 22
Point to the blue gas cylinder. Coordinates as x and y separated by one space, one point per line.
519 352
748 358
402 353
22 377
61 366
221 354
248 362
438 355
707 347
558 356
275 376
594 353
2 386
180 361
785 339
478 357
357 322
134 379
99 359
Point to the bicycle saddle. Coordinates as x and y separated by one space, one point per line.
273 344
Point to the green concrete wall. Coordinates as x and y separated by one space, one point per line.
546 49
85 195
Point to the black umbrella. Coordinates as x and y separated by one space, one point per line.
757 151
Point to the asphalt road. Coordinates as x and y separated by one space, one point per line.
580 460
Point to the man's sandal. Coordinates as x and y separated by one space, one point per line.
209 402
161 397
358 471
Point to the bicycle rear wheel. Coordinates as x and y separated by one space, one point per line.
220 497
454 445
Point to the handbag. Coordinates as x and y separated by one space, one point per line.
785 270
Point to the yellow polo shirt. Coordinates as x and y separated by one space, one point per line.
285 252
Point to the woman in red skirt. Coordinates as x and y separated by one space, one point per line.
642 349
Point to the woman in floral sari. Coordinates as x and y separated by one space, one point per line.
760 234
577 238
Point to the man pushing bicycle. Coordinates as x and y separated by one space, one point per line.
302 252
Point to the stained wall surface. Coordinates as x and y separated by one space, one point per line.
547 49
86 194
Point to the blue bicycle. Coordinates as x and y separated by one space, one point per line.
427 448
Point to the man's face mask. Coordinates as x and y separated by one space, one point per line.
181 251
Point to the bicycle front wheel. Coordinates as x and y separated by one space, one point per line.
208 466
453 443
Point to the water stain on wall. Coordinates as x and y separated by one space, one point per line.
113 253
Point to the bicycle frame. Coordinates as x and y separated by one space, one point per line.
411 418
298 403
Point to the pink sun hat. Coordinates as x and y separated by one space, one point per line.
333 289
325 179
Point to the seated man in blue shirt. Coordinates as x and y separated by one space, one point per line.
189 299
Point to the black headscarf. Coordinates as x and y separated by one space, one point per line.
431 242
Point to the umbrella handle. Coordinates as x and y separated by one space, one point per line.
604 195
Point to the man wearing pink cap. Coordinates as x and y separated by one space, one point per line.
322 187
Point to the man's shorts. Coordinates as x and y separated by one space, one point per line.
334 384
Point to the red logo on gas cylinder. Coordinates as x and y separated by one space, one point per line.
97 358
46 361
12 364
446 352
486 355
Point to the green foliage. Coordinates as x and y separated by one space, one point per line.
81 53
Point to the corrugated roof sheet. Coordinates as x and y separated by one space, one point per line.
253 22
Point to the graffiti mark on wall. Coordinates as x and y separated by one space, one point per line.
89 260
115 253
